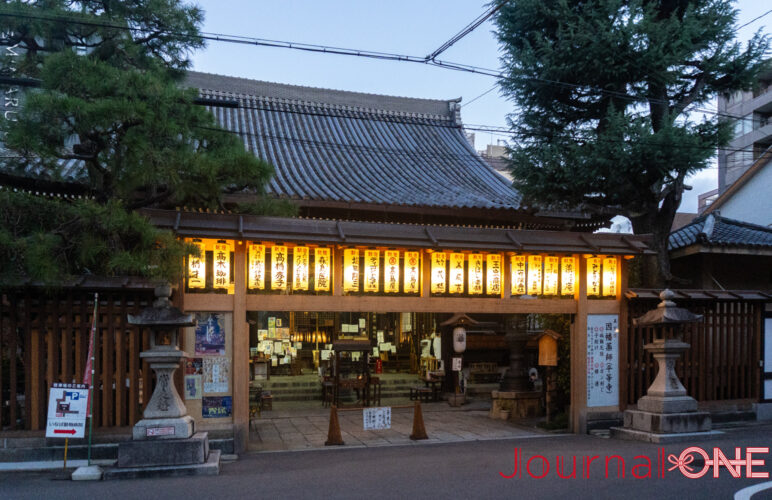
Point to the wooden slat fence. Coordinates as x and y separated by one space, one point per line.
723 361
44 339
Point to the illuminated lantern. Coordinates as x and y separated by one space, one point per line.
391 271
493 286
517 262
256 278
456 273
351 270
372 270
322 269
534 274
459 339
300 257
593 276
610 276
279 268
475 285
412 272
567 276
551 268
222 265
197 267
439 276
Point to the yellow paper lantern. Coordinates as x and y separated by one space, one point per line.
322 269
439 272
493 285
593 276
391 271
279 268
551 268
517 263
456 273
300 257
412 272
351 270
534 275
222 265
567 276
372 270
610 276
197 267
256 275
475 282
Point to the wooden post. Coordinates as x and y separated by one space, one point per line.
240 350
578 416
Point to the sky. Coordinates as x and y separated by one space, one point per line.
416 27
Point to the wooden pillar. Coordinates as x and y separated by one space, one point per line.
622 354
337 273
579 352
240 350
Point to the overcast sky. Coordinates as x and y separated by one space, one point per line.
415 27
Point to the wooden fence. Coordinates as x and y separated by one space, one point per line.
723 361
44 339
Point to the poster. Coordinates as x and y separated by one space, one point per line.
67 408
210 334
216 407
376 418
192 386
602 360
216 374
194 366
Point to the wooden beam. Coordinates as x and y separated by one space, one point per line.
240 352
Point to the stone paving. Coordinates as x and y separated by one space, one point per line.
306 427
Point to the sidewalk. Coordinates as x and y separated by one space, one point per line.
307 428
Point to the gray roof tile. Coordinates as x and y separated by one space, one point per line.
712 229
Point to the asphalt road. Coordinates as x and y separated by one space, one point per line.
453 470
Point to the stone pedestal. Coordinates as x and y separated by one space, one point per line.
666 413
519 404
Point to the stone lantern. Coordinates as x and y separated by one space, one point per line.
164 441
666 413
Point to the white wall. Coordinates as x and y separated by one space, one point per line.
752 202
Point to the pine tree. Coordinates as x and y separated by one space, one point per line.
110 114
604 90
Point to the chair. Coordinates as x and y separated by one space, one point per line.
266 401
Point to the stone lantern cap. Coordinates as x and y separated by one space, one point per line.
667 313
162 313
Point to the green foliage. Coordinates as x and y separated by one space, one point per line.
49 240
603 89
112 115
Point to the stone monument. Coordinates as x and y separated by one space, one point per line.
164 441
516 394
666 413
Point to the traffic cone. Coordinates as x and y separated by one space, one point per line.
419 431
333 435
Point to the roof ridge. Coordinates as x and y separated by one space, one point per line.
749 225
338 107
251 87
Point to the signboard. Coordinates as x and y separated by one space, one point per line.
376 418
457 364
159 431
602 360
67 411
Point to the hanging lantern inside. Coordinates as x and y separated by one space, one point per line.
567 276
322 269
475 273
222 265
197 266
391 271
412 272
439 272
456 273
551 268
593 276
351 270
300 257
279 268
493 285
372 270
534 275
517 263
256 276
610 276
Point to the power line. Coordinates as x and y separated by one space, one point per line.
481 95
466 30
753 20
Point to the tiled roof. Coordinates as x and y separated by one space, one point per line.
714 230
338 146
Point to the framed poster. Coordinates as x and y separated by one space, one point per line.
602 360
216 407
210 334
192 386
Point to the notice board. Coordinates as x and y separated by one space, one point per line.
602 360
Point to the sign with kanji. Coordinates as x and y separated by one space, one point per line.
602 360
376 418
67 410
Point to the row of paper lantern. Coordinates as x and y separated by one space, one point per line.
452 273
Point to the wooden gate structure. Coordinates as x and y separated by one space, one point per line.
723 361
44 337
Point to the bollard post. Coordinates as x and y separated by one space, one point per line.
333 434
419 431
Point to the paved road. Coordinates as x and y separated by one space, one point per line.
444 470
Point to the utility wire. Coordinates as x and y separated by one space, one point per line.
466 30
481 95
753 20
